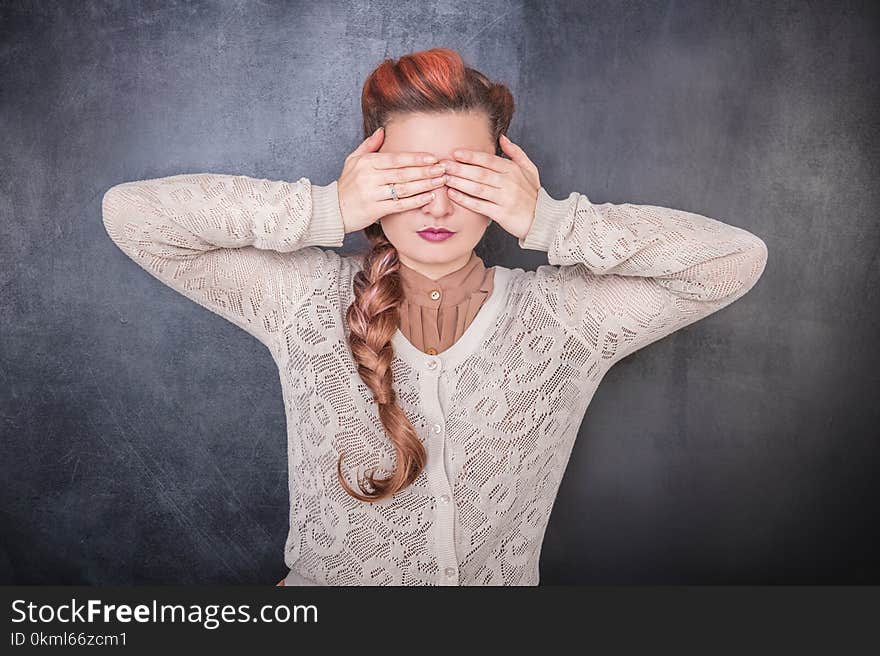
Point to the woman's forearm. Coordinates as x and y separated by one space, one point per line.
652 269
248 249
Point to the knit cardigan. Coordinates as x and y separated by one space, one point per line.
498 411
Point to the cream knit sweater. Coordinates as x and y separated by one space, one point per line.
498 411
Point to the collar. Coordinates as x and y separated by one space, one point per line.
451 289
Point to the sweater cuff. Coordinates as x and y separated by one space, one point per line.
549 213
325 226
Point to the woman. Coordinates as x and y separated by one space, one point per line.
469 407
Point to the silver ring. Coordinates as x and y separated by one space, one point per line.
393 191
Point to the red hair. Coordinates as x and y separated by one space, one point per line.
430 81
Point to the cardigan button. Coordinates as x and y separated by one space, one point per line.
431 364
435 294
444 498
449 571
437 428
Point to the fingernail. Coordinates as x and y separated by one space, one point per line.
376 131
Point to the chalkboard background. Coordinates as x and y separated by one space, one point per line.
144 437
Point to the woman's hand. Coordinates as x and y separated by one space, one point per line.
504 190
362 187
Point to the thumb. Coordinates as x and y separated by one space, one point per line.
512 150
371 143
517 154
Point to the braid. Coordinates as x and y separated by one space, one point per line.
373 318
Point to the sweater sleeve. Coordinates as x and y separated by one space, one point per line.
246 249
623 276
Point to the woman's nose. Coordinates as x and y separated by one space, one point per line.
441 203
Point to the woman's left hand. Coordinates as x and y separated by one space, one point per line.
504 190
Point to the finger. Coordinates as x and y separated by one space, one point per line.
406 203
483 207
475 189
487 160
475 173
398 160
409 173
517 154
371 143
383 192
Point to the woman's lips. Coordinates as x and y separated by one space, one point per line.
435 235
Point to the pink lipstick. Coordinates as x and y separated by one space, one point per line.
435 234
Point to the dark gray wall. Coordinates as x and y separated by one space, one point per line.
144 438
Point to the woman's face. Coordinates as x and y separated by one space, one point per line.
438 134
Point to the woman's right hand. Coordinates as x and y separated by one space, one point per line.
362 187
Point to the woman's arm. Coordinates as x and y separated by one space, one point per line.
624 276
244 248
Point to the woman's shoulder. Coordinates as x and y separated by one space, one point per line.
553 281
548 293
524 282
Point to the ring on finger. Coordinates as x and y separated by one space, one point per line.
393 191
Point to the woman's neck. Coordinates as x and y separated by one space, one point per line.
436 270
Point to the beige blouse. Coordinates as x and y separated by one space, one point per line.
435 313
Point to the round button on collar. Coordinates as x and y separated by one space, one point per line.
435 294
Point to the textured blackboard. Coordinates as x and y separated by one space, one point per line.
741 449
